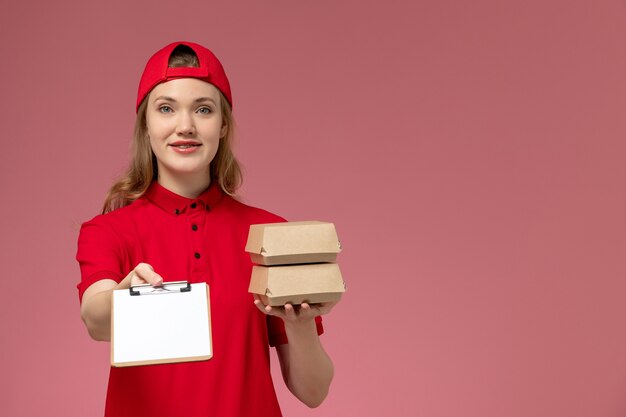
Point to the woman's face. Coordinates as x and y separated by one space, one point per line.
185 126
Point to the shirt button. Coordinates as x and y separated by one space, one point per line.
193 205
177 211
197 255
194 227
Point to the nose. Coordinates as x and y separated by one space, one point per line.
185 125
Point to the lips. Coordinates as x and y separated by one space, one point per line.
185 144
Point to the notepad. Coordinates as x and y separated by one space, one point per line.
168 324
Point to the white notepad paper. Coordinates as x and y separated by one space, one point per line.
160 326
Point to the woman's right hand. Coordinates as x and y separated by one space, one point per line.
95 308
144 274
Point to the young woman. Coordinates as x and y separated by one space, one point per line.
173 217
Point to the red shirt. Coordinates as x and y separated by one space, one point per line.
199 240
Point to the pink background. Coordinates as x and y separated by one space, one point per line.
471 154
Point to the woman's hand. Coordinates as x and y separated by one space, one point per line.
294 314
144 274
305 366
95 308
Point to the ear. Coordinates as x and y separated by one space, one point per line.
223 130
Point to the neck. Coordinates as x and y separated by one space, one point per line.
190 186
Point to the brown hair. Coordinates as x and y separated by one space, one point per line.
142 169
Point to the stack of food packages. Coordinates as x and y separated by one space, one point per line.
295 263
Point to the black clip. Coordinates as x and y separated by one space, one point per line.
165 288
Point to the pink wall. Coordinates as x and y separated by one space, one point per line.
471 154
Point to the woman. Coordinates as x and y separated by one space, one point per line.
172 217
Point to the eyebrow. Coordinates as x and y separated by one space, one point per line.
198 100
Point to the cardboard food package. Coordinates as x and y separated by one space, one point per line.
297 284
293 243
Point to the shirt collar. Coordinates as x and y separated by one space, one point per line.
176 204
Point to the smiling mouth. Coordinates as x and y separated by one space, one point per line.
185 146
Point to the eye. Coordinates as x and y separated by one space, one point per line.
165 109
205 110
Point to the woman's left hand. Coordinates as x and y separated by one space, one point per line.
305 366
292 314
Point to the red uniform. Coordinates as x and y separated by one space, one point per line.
199 240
